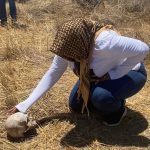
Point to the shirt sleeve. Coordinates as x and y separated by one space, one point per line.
132 50
58 67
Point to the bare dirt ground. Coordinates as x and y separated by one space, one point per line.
25 57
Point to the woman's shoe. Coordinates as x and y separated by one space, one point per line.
115 118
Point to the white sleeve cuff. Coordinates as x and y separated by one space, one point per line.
22 107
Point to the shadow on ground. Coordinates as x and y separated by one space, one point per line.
88 130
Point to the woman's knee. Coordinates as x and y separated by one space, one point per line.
104 101
74 103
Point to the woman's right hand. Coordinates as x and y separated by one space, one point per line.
13 110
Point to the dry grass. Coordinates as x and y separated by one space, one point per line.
24 58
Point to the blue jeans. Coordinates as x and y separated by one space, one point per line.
109 96
12 7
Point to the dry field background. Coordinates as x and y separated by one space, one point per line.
25 56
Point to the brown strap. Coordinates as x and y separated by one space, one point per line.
94 79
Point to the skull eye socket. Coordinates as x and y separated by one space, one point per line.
28 120
23 123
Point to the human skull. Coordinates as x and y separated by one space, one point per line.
17 124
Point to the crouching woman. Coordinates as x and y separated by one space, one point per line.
109 66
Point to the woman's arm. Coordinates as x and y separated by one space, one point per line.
134 51
54 73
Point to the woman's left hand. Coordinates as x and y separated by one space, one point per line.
13 110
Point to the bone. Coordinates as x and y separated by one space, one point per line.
17 124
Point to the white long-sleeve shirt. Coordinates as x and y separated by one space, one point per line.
112 53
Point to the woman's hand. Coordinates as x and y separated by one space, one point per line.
13 110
